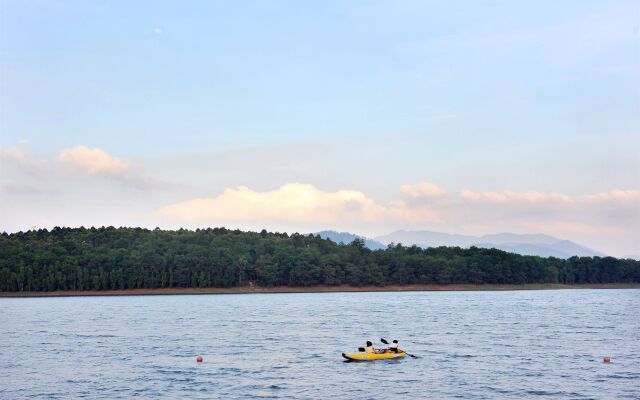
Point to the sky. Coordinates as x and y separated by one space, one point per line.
363 116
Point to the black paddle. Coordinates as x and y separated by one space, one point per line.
410 355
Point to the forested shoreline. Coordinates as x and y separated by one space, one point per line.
109 258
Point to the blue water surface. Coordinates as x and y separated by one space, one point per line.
472 345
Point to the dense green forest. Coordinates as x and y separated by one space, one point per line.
127 258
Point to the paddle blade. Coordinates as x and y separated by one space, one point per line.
361 349
384 341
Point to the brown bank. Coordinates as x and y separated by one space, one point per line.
316 289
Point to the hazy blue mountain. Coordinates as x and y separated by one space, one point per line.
346 238
427 239
573 248
529 249
501 238
560 249
526 244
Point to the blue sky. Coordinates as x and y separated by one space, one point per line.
175 102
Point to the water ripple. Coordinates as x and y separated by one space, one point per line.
515 345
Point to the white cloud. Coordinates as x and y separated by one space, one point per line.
507 196
93 161
424 189
14 154
22 160
77 164
296 203
510 197
157 30
619 196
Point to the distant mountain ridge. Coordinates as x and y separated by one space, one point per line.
525 244
347 237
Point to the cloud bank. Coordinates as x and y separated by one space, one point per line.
93 161
83 163
510 197
71 186
294 203
423 189
613 213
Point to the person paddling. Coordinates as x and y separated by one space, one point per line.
369 348
394 347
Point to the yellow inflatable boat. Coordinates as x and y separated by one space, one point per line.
372 356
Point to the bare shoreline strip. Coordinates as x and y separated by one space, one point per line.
315 289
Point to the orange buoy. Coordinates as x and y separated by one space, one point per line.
607 359
199 359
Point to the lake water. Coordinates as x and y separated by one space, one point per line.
522 344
